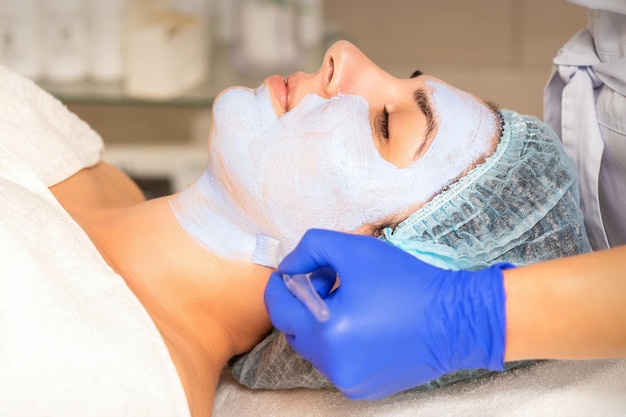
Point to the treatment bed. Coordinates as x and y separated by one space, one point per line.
549 388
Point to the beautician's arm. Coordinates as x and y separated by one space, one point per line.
570 308
397 322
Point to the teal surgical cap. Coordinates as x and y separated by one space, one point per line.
519 206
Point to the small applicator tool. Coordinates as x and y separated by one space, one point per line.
301 287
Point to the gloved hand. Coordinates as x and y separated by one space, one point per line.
395 321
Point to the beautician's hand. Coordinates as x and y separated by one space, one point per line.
395 322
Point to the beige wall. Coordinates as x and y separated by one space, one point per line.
500 50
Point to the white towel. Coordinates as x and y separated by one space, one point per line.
74 340
40 130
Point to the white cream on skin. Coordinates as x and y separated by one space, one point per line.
317 166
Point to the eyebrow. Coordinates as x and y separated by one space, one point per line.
423 102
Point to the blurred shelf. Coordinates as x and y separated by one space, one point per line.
92 92
221 76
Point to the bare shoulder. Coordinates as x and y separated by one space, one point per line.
102 186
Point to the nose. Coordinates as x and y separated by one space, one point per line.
349 69
344 70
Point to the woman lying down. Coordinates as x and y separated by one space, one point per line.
113 305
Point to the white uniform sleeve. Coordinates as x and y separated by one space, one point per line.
616 6
585 103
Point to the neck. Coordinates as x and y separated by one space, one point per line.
204 200
207 308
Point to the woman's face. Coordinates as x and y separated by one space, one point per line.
346 147
402 117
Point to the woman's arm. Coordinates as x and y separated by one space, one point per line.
569 308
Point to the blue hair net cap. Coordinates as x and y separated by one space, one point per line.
520 206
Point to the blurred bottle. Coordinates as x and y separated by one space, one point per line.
20 37
225 21
201 10
107 23
65 40
165 51
310 23
267 39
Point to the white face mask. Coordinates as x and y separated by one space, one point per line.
317 167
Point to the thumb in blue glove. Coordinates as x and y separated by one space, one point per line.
395 321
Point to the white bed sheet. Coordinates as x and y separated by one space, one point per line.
551 388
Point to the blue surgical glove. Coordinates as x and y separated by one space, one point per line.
395 321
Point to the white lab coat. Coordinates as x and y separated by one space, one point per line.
585 103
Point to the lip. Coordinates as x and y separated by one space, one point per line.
279 93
